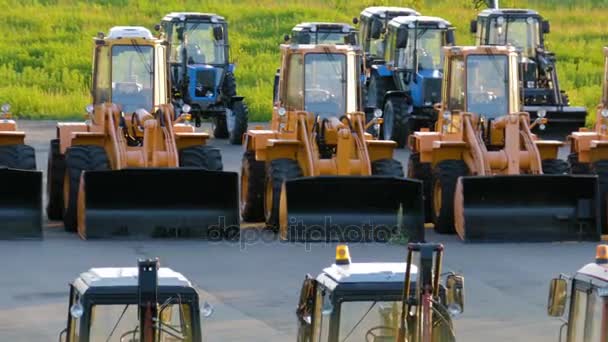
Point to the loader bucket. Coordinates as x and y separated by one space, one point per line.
532 208
353 209
561 120
164 202
20 204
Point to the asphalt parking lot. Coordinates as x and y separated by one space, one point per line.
254 286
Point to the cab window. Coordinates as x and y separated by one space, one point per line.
456 84
321 326
587 314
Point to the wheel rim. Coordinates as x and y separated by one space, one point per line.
437 191
230 120
244 185
387 125
268 201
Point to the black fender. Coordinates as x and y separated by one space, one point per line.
395 93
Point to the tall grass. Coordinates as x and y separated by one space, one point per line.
45 53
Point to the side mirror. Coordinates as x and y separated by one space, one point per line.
218 33
546 27
180 33
352 38
455 293
376 29
401 41
157 27
355 20
286 38
63 335
473 26
207 310
558 293
449 38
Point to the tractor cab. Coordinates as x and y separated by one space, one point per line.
363 301
144 303
373 23
586 298
129 69
323 33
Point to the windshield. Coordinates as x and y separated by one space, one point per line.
487 85
201 47
117 323
325 84
332 37
369 321
132 76
429 50
520 32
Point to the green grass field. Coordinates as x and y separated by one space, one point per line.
45 55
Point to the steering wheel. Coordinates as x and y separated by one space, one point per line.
130 332
318 95
370 335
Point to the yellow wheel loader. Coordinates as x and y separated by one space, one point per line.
492 179
381 301
21 190
316 175
589 149
134 167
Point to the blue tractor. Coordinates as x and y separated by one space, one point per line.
201 75
408 83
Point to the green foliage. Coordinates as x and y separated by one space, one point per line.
45 55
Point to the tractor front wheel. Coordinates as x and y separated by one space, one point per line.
277 172
237 122
445 178
79 159
205 157
397 126
252 188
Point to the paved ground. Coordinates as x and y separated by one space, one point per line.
254 287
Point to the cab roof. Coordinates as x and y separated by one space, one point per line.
183 16
319 26
120 32
508 12
388 11
404 21
595 271
128 276
338 48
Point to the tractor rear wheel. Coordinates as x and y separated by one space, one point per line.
278 171
555 167
79 159
423 172
445 178
387 167
237 122
205 157
18 157
54 181
577 167
600 168
252 188
397 126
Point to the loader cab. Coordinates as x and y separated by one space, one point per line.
324 33
373 23
415 54
129 69
585 298
105 305
522 28
320 79
480 80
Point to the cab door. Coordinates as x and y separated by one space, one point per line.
305 309
588 313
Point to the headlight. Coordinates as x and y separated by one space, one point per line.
89 108
447 114
500 20
209 94
541 113
6 107
604 112
76 310
377 113
282 111
186 108
454 309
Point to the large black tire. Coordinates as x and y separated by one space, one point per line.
54 181
376 89
277 172
252 197
220 131
600 168
18 157
397 125
205 157
239 119
423 172
228 87
387 167
577 167
555 167
79 159
445 176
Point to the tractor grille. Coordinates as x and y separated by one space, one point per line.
205 82
431 90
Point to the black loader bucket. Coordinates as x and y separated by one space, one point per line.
530 208
353 209
561 120
163 202
20 204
